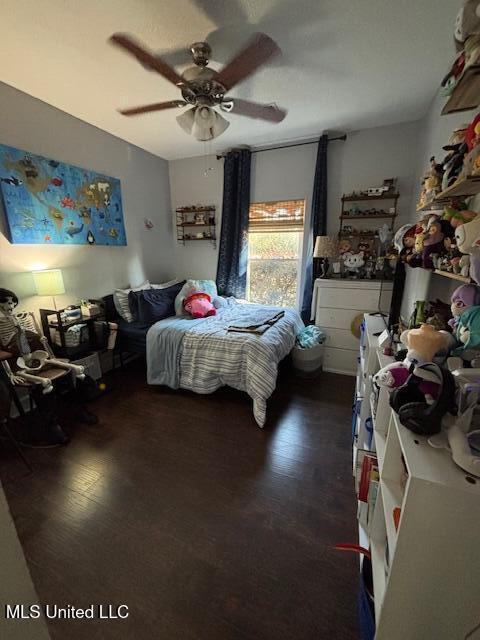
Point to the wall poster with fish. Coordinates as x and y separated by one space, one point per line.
50 202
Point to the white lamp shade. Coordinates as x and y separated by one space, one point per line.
48 282
203 123
325 247
185 120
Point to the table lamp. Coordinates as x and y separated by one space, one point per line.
49 282
325 248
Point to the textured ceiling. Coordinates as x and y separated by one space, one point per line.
346 64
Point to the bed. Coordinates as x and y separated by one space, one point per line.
203 355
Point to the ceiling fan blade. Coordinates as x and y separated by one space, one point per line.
269 112
157 106
147 58
259 50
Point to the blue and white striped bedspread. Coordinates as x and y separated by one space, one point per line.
200 355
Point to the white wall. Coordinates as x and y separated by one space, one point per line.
435 131
365 159
88 271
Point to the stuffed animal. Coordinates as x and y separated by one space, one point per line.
415 258
467 23
467 333
404 241
424 342
467 237
433 242
353 262
463 298
453 163
422 346
199 305
454 74
457 216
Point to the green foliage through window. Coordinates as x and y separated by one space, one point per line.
274 267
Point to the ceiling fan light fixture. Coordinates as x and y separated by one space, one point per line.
207 124
186 120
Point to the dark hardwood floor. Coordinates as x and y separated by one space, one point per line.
206 526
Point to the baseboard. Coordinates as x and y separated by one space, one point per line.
343 373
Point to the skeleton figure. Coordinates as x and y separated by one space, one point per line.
19 333
15 332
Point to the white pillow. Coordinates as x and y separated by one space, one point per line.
165 285
120 300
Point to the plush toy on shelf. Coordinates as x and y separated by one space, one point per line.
467 238
199 305
471 161
467 333
404 241
463 298
454 74
467 23
423 392
434 241
458 214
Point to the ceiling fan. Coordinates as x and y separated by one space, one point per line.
204 88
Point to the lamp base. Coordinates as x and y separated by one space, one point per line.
320 268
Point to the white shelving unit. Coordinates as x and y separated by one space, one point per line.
426 574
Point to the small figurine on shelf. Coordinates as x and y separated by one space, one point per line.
199 218
370 269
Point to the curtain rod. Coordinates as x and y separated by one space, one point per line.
287 146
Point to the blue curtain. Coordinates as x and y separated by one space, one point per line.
318 221
233 252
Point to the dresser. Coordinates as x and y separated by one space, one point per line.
337 304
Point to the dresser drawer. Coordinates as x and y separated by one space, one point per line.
340 361
360 299
341 339
337 318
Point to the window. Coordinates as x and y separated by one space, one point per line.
275 236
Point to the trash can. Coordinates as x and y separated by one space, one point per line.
307 354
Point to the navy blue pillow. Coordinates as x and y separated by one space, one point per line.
150 305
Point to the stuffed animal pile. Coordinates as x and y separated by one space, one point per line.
429 399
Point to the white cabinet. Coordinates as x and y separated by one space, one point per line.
424 534
337 304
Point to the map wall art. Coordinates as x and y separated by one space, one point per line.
50 202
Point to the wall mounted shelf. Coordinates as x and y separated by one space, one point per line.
200 217
452 276
465 188
466 94
362 197
368 217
